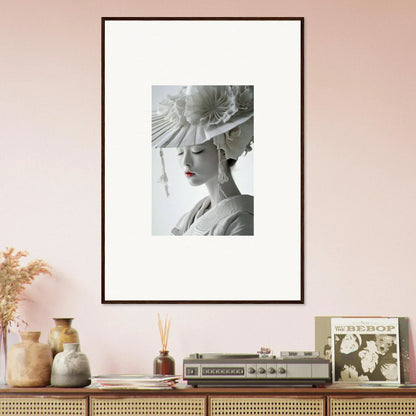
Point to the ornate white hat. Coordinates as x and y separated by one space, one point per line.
197 114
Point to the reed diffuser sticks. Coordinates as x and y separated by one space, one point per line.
164 331
164 364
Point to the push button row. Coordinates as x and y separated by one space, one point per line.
227 371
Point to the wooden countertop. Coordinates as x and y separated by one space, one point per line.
281 390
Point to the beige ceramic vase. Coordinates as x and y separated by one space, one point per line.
29 363
62 334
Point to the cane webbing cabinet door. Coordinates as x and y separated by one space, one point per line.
266 406
376 406
209 401
148 406
43 406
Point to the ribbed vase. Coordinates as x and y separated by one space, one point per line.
3 353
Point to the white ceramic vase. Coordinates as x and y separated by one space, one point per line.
70 368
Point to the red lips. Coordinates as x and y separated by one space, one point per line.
189 174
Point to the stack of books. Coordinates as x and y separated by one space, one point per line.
125 381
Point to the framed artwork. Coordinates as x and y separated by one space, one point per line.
202 160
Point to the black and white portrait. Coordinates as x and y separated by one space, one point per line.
200 134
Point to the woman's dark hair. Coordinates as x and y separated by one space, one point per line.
231 162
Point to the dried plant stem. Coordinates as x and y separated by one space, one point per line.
164 332
13 280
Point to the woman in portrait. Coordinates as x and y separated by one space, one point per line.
210 127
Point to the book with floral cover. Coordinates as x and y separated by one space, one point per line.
365 350
324 344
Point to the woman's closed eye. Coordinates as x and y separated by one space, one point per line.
194 152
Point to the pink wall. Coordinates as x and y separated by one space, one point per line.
360 194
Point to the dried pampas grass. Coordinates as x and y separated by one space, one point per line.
13 280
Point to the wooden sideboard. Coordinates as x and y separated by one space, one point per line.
289 401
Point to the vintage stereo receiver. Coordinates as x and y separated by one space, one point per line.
255 370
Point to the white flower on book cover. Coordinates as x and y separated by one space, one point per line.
365 350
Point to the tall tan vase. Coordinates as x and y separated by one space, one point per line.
29 363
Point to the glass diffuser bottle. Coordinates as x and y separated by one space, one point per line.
164 364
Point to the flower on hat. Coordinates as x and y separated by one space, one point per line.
210 105
244 97
232 145
173 108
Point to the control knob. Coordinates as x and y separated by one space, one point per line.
261 370
281 370
251 370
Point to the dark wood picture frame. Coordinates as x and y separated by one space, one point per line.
277 280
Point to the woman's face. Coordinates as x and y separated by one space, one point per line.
199 162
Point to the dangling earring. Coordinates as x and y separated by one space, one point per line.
222 175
